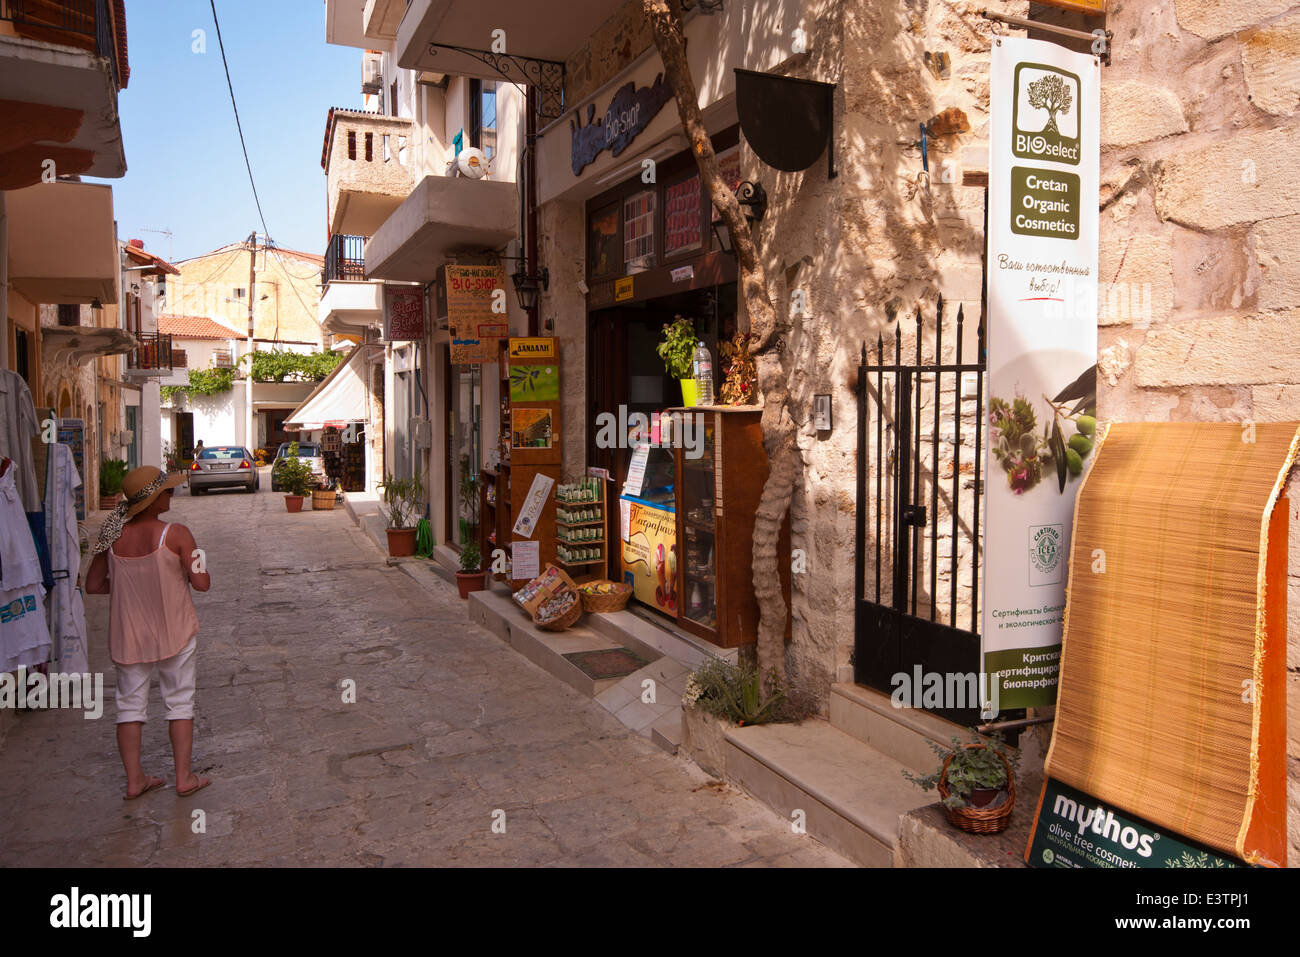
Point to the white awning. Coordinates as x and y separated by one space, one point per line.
339 399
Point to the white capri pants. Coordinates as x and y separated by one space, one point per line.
175 679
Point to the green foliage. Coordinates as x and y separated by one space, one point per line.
291 366
733 692
402 497
678 348
424 542
469 499
470 559
294 475
202 382
111 473
171 456
975 764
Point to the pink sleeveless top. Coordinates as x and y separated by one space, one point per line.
151 615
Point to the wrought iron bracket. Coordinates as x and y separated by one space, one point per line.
914 515
546 75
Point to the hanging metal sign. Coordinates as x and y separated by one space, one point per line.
629 112
1042 350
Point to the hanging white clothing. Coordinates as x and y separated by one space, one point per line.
65 611
18 424
24 633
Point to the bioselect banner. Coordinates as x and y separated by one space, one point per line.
1042 350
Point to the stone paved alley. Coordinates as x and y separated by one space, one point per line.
449 725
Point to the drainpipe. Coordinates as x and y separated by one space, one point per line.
530 173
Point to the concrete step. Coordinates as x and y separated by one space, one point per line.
903 734
853 796
667 731
653 638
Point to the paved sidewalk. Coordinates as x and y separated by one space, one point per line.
449 729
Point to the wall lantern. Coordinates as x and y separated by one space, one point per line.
753 197
528 288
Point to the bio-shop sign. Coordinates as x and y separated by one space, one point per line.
1075 830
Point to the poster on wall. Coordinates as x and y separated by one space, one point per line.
531 511
403 313
1042 351
530 428
476 312
72 433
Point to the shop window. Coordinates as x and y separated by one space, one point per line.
682 216
729 167
639 231
602 241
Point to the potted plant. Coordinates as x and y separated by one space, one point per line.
111 473
402 498
976 782
470 577
295 478
323 496
677 349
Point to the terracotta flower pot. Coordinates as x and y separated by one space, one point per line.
110 501
401 542
470 581
293 503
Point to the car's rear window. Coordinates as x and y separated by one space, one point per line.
224 452
304 452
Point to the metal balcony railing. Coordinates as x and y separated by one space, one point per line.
82 23
345 258
154 355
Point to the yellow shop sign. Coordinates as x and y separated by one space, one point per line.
623 289
532 348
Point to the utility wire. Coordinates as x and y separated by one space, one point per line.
238 125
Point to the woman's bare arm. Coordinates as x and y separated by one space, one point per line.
192 557
97 575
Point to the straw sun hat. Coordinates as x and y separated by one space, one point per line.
139 488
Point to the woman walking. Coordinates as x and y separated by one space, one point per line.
147 567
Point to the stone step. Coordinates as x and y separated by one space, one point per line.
667 731
853 796
652 638
904 734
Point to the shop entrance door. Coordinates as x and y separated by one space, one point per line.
625 375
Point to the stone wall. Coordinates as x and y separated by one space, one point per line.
1200 232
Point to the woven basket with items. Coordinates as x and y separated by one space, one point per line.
551 599
604 596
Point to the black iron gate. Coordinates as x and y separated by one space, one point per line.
902 627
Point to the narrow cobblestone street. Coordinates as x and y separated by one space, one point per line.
449 726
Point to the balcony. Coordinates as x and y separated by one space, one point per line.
469 23
381 19
345 259
443 216
369 169
348 303
63 243
153 356
62 63
223 359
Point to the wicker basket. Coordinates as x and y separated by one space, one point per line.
980 820
323 499
614 601
563 621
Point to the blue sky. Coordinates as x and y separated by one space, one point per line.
185 170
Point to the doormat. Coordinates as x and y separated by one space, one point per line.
612 663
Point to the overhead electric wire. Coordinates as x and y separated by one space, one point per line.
238 125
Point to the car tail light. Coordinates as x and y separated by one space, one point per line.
245 464
195 467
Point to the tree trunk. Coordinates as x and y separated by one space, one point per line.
767 346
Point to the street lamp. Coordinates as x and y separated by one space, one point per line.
528 288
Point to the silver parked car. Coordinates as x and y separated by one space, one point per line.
307 452
223 466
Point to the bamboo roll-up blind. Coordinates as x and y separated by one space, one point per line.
1172 689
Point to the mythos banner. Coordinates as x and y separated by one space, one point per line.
1042 350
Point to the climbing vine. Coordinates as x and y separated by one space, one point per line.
202 382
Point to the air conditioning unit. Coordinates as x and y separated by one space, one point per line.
372 72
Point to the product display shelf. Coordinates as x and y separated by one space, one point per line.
598 503
494 516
